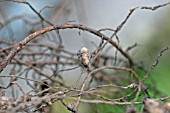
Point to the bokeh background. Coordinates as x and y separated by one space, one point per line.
149 29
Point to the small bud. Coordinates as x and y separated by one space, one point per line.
85 57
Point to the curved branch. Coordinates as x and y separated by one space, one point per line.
21 44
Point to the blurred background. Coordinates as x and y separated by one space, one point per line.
149 29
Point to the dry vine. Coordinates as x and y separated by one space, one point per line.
41 69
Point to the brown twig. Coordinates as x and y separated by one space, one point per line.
98 69
21 44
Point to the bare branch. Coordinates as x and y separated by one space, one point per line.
21 44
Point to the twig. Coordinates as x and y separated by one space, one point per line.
32 8
106 102
98 69
21 44
154 64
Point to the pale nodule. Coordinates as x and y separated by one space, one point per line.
85 57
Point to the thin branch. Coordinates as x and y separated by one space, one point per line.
21 44
106 102
155 7
154 64
98 69
32 8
